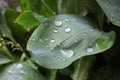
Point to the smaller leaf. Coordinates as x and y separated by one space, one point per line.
27 20
112 10
19 71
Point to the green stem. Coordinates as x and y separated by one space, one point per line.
53 74
82 68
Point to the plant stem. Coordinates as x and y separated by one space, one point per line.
53 74
82 68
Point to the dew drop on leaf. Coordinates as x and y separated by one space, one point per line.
33 39
67 29
55 30
89 49
52 41
67 19
67 53
58 23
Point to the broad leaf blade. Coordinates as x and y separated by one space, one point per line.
112 10
65 38
20 72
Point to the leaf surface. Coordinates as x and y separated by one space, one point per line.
64 38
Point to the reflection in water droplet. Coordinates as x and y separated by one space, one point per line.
58 23
0 44
67 53
22 71
89 49
67 29
55 31
19 66
52 41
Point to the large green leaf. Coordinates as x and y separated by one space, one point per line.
112 10
65 38
4 59
19 71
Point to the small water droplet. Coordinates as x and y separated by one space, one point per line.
67 53
61 58
67 19
52 41
76 41
67 29
51 48
89 49
33 39
19 66
58 23
55 31
46 24
10 71
41 40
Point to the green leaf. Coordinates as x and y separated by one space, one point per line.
4 59
18 31
38 6
96 10
83 67
112 10
20 72
65 38
27 20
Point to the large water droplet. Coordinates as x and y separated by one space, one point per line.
55 30
67 53
89 50
67 29
58 23
52 41
19 66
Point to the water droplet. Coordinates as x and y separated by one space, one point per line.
51 48
67 19
41 40
67 53
61 58
46 24
33 39
52 41
76 41
89 49
19 66
10 71
58 23
55 31
67 29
